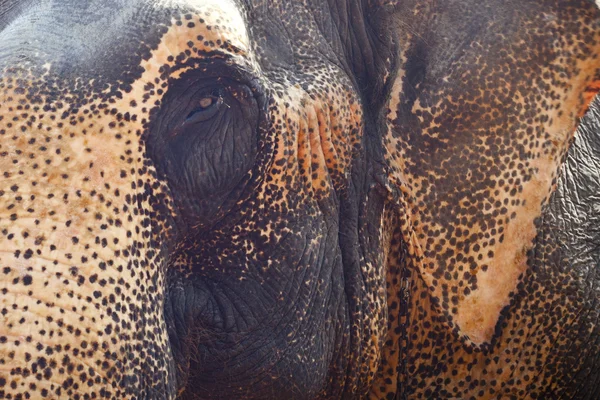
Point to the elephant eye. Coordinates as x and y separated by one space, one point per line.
206 107
203 139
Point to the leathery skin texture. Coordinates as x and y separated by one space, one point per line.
313 199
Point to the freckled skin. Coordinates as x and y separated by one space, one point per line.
480 120
300 200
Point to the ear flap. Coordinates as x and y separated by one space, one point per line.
483 106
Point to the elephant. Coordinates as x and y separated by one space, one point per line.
307 199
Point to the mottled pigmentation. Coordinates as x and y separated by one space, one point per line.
546 342
309 199
275 247
82 263
478 130
147 253
481 116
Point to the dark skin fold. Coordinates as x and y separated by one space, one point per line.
313 199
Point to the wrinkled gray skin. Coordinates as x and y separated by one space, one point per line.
307 199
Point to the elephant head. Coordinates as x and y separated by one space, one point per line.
296 199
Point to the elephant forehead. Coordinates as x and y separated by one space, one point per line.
106 42
207 26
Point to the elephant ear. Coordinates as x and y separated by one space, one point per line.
483 105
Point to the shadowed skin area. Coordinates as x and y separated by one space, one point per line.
298 199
